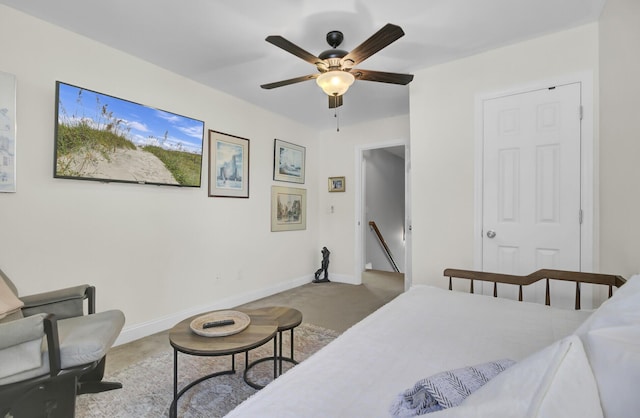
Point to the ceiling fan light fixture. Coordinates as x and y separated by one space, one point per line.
335 82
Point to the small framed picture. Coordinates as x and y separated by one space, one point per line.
288 208
228 165
288 162
7 132
337 184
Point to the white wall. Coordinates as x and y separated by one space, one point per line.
620 137
442 137
152 251
337 157
155 251
385 205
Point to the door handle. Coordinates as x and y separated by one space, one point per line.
491 233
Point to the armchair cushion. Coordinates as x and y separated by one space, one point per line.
20 346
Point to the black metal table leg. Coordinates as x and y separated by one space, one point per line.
280 354
173 410
275 345
249 366
292 346
174 405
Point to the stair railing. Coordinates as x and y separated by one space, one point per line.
385 247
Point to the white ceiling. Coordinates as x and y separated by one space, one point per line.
220 43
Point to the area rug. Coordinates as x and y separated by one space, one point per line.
148 385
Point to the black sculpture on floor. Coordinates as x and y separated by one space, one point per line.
324 267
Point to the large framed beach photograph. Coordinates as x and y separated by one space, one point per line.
228 165
103 138
288 162
7 132
288 208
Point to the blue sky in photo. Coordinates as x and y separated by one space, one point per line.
142 125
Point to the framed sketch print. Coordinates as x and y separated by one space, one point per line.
7 132
228 165
337 184
288 162
288 208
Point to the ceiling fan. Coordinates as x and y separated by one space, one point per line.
336 67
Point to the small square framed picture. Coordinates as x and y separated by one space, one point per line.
337 184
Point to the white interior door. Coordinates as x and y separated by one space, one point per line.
531 181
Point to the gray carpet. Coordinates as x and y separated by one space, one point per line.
148 384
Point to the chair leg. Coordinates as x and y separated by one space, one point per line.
96 387
91 382
54 398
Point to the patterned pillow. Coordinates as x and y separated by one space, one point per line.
446 389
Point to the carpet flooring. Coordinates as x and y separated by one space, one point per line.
148 384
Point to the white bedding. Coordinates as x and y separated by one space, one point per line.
423 331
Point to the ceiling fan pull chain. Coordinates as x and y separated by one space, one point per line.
335 115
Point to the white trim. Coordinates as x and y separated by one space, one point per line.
359 207
343 278
588 184
144 329
408 225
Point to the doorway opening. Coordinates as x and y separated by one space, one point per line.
383 242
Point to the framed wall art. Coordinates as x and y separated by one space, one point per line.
228 165
288 162
7 132
103 138
288 208
337 184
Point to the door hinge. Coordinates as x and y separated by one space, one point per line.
580 112
580 216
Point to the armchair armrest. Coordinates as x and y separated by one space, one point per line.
64 303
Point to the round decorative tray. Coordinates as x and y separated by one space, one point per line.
240 321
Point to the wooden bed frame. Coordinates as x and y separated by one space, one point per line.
544 274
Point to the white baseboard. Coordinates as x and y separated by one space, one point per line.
343 278
145 329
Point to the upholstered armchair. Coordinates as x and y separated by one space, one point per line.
50 351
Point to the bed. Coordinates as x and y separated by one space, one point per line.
568 362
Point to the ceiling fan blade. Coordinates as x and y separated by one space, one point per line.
335 101
289 81
382 77
385 36
292 48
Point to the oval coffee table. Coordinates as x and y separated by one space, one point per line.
183 339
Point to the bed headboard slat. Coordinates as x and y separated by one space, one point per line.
547 293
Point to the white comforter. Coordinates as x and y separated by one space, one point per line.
423 331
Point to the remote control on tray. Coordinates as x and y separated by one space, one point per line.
221 323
